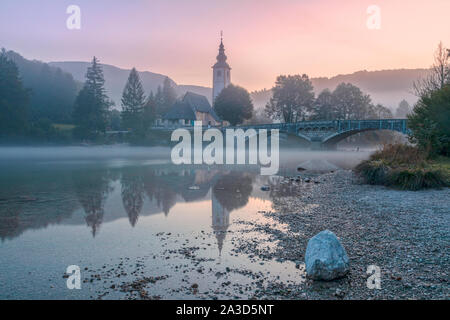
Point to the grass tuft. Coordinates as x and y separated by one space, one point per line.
404 167
374 172
416 179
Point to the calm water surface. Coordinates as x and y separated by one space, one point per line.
107 207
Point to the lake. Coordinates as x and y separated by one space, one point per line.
126 216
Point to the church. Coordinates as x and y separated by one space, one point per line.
221 72
194 107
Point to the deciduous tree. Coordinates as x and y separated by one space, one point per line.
439 75
403 109
351 102
292 99
234 104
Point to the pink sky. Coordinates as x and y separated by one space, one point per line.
263 38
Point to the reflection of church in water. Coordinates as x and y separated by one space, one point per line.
220 221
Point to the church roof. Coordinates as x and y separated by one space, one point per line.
180 110
221 58
197 102
188 106
221 64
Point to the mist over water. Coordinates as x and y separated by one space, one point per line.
289 157
75 152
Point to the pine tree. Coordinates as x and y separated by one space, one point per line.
165 97
133 101
92 104
159 100
13 99
169 94
149 115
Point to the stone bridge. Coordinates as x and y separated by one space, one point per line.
326 134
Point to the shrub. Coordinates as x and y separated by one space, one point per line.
373 172
402 166
399 154
416 179
430 122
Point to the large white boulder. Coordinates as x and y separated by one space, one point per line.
325 257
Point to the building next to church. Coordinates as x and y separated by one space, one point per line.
194 107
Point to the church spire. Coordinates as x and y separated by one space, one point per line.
221 58
221 71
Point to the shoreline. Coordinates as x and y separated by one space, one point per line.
405 233
408 242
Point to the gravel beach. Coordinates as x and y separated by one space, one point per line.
406 234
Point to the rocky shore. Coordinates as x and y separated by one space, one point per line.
405 233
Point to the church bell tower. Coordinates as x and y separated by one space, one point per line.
221 72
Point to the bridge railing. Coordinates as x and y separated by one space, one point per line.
332 125
335 125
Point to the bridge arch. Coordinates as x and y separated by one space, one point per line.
332 140
326 134
304 137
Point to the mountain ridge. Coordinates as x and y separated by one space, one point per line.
387 87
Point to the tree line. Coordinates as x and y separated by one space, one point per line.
294 100
33 96
92 113
36 100
31 109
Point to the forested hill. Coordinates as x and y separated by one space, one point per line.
52 91
116 78
387 87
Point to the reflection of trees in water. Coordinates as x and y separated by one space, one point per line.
92 188
132 194
163 185
41 198
157 190
233 190
166 200
34 198
9 219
